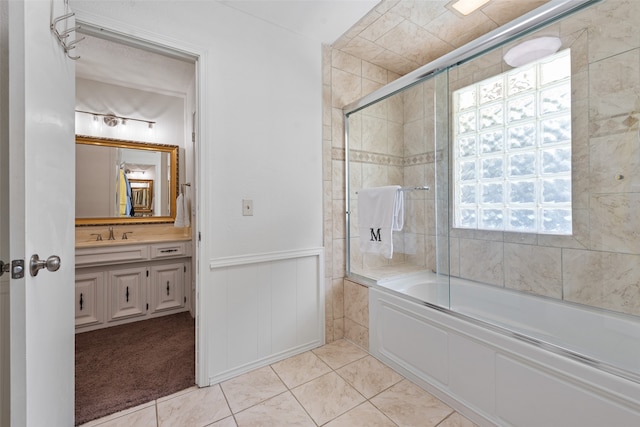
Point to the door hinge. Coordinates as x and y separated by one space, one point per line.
199 236
185 300
147 306
185 268
147 273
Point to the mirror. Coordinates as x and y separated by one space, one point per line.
142 195
123 182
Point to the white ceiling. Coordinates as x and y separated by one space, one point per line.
321 20
115 63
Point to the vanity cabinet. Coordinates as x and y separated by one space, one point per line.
124 283
127 292
89 291
167 290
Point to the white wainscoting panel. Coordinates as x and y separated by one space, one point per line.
263 308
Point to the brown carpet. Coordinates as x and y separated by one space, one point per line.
127 365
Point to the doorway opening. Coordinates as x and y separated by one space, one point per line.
134 313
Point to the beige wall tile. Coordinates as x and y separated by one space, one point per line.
356 333
611 156
616 29
394 62
382 26
338 329
533 269
615 223
356 300
363 48
346 88
482 261
503 11
338 298
346 62
609 83
373 72
602 279
338 258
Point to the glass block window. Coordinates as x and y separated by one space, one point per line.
512 150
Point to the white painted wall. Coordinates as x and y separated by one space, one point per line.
262 121
260 138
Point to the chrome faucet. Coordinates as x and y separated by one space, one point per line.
111 234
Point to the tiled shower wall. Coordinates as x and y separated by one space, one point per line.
598 265
395 38
345 80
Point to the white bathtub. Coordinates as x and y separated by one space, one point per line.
507 358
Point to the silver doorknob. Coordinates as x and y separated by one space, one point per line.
36 264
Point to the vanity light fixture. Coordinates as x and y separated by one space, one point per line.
532 50
466 7
112 120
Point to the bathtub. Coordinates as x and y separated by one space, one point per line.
503 357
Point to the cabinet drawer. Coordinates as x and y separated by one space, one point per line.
111 254
168 250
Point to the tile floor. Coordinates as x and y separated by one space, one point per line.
336 385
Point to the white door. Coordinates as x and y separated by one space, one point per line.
41 215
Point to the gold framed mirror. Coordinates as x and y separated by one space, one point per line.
125 182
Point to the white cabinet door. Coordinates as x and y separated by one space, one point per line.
127 293
89 298
37 96
167 287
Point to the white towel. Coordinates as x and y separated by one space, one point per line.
187 209
380 213
179 222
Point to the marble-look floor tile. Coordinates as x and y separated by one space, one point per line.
327 397
408 405
369 376
251 388
197 408
457 420
339 353
300 369
105 421
365 415
144 417
227 422
281 410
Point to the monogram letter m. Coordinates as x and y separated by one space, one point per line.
375 235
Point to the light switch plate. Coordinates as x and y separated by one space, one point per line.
247 207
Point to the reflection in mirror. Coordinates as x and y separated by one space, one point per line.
142 196
119 182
